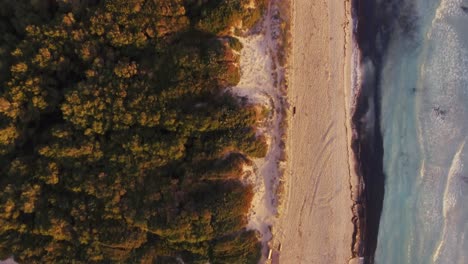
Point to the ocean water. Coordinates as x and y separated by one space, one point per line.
424 122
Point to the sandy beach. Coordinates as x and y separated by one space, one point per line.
315 225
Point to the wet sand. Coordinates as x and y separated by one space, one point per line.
315 225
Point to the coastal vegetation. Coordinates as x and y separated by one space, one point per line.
118 140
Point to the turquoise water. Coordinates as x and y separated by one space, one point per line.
424 120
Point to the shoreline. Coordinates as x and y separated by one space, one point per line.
355 181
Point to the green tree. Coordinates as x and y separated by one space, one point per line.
118 140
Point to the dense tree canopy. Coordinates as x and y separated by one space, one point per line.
118 141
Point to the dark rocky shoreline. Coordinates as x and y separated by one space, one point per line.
371 35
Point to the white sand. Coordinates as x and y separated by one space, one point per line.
260 82
8 261
316 226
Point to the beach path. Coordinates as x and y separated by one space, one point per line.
315 225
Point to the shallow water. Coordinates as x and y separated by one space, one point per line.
424 119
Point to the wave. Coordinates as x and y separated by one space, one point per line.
425 123
451 244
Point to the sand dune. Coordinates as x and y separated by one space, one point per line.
315 226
